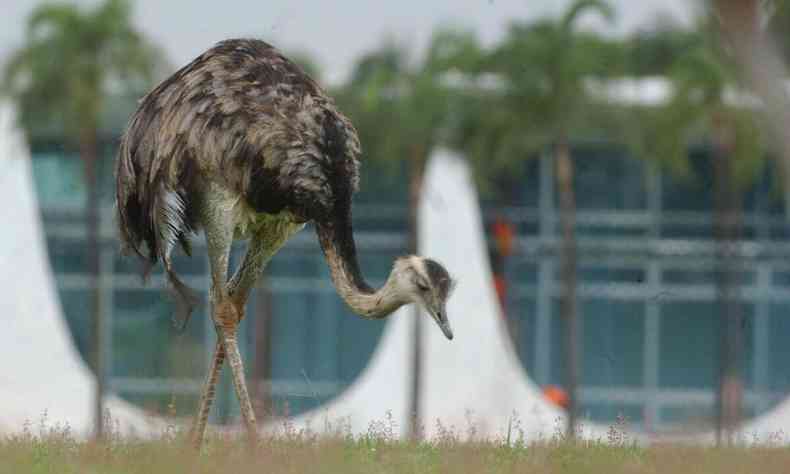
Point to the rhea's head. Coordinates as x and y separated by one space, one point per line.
425 282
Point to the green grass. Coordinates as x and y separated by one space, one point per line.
44 449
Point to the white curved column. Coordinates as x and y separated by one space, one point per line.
41 372
477 377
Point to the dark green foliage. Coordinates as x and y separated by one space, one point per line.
703 109
403 108
652 52
72 60
540 94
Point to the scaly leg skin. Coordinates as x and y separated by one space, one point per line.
226 318
228 300
207 397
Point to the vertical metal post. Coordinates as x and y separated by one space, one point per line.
262 348
105 302
546 269
651 349
762 338
92 241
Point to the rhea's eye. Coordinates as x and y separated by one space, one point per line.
422 285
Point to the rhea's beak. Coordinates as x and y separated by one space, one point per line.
440 316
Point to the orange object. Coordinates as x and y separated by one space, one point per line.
504 236
556 395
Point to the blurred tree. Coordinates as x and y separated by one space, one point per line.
63 75
755 36
543 101
652 52
708 107
403 110
778 25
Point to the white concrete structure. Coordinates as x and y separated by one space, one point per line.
41 372
475 379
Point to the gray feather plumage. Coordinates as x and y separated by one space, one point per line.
240 113
246 119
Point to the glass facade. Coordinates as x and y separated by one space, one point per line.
648 300
647 293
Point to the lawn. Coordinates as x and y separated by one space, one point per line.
54 450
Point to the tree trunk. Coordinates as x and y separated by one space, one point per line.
727 233
416 165
567 198
90 158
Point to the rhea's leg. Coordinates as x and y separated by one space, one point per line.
226 318
217 219
207 397
226 313
262 246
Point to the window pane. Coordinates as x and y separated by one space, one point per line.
689 345
522 314
67 255
145 343
76 308
606 179
779 349
613 341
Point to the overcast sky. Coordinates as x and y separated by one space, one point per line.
333 32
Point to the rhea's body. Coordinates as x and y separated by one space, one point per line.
242 144
242 129
240 137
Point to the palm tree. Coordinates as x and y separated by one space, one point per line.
543 66
700 112
760 52
60 78
653 51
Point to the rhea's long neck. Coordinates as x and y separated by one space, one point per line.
337 241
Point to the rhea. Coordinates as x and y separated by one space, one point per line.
242 144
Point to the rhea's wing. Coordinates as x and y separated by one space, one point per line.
226 107
245 115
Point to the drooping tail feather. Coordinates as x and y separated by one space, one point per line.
186 300
153 214
170 226
131 212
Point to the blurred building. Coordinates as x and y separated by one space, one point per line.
647 296
648 301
